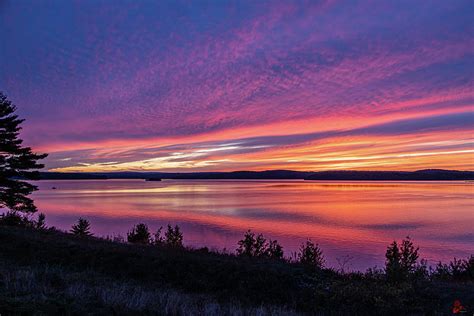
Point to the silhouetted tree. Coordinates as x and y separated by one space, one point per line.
82 228
311 255
41 222
393 257
257 246
13 218
274 250
139 234
401 260
251 245
174 237
460 269
409 255
16 162
159 240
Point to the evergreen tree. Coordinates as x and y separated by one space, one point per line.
401 260
17 163
41 222
311 255
393 267
140 234
174 237
82 228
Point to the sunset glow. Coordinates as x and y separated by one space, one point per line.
345 217
176 86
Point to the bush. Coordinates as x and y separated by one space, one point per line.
159 240
174 237
274 250
257 246
41 222
139 234
401 260
311 255
251 246
460 269
13 218
82 228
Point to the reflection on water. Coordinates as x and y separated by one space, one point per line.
356 219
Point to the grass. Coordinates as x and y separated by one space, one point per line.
53 290
51 272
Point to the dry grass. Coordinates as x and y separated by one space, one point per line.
28 287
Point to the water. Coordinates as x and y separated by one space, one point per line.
353 222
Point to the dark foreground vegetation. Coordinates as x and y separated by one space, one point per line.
46 271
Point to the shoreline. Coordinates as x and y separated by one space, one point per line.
97 266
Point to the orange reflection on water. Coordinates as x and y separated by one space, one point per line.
347 218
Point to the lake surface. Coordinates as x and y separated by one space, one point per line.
353 222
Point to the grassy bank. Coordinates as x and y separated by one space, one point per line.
50 272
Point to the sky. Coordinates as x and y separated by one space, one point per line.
242 85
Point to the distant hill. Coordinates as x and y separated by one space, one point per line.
269 174
420 175
426 175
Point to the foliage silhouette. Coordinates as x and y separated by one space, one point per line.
174 237
139 234
274 250
251 245
457 269
311 255
159 240
12 218
16 162
257 246
41 222
401 260
82 228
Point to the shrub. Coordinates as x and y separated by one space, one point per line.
82 228
461 269
159 240
421 270
13 218
41 222
251 245
274 250
257 246
311 255
174 237
139 234
401 260
115 238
